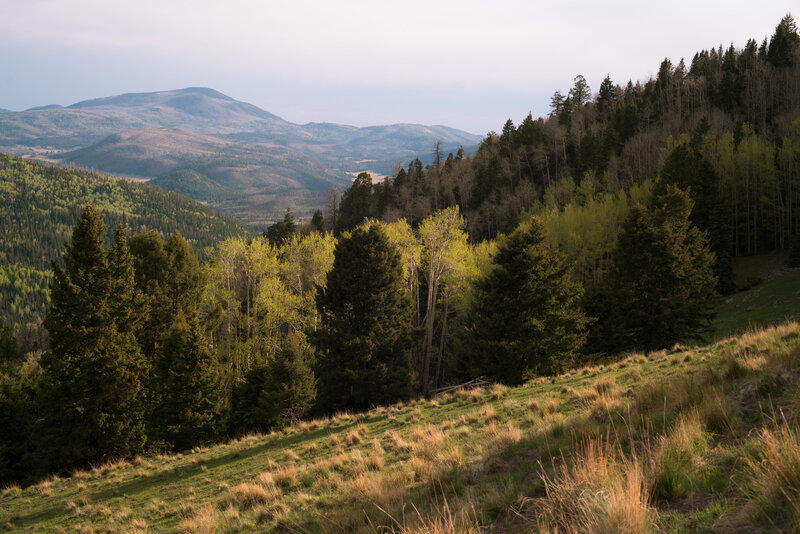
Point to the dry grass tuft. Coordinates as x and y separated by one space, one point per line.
396 443
202 521
247 496
774 495
601 493
291 456
505 435
286 476
498 391
678 463
353 438
489 414
715 410
375 459
11 489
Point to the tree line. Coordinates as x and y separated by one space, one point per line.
151 350
39 206
734 109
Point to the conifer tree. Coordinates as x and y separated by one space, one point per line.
188 402
185 403
526 318
662 280
686 169
277 393
365 333
91 398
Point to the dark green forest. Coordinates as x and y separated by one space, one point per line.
609 226
734 109
40 204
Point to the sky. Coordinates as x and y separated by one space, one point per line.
461 63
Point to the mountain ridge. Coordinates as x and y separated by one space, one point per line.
233 143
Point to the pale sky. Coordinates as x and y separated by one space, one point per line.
462 63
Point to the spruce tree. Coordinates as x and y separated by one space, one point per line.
661 287
526 318
277 393
365 335
188 396
91 397
686 169
185 399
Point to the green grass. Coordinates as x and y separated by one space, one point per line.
774 299
673 440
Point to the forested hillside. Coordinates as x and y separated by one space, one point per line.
724 123
40 204
606 229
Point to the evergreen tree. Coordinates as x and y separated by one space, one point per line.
185 400
784 43
281 231
686 169
317 221
662 279
91 397
275 394
18 387
8 347
365 332
356 202
526 318
188 401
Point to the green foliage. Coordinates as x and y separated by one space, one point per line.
784 44
356 204
18 387
281 231
91 401
365 325
661 285
40 205
686 169
195 186
526 317
187 388
275 394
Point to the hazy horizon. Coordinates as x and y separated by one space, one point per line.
467 65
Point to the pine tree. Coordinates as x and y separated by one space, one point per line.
365 335
526 318
686 169
317 221
277 393
188 401
91 398
662 280
185 400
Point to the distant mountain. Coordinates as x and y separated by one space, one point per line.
3 110
237 145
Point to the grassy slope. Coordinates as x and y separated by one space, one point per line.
774 299
681 440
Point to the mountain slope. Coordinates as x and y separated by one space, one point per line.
679 440
39 208
235 144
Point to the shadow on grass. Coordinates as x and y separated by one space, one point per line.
183 472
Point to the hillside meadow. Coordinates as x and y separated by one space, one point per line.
687 439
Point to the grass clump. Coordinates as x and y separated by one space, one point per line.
678 465
603 492
774 480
